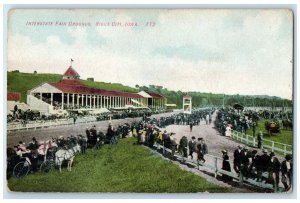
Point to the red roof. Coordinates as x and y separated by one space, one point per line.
187 97
71 82
71 72
156 95
80 88
13 96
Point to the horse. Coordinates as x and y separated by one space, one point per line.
66 154
287 123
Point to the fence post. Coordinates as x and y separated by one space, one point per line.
241 178
272 146
275 187
247 141
254 144
284 149
216 166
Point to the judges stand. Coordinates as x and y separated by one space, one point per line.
187 104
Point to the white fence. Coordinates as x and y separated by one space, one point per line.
267 144
45 124
214 165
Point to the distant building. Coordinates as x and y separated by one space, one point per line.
187 104
70 93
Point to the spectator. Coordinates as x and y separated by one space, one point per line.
191 126
259 139
226 166
287 172
274 169
183 144
192 146
262 164
237 159
245 162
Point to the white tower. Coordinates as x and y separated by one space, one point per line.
187 104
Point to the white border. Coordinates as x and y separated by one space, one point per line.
139 4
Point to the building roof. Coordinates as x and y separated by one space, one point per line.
187 97
155 95
13 96
71 86
71 72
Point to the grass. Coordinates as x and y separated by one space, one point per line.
22 82
285 136
125 167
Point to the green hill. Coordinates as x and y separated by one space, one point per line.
22 82
125 167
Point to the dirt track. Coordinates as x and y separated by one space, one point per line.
13 137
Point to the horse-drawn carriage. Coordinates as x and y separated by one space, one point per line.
272 126
23 159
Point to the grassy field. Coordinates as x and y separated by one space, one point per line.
125 167
22 82
285 136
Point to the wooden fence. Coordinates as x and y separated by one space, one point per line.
45 124
214 164
266 144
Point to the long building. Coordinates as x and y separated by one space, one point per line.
70 93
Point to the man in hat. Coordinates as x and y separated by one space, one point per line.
34 146
245 161
183 144
191 126
237 159
274 169
192 146
199 149
259 139
93 137
262 164
87 133
61 142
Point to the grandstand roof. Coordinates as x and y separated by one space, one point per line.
155 95
73 86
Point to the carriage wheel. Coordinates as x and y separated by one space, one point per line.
47 166
21 169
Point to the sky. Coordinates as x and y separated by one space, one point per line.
238 51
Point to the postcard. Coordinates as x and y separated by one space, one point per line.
150 100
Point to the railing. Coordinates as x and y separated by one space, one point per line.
267 144
44 124
214 165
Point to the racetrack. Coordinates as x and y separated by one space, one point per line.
42 134
216 142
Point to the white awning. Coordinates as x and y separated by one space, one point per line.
136 102
144 94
